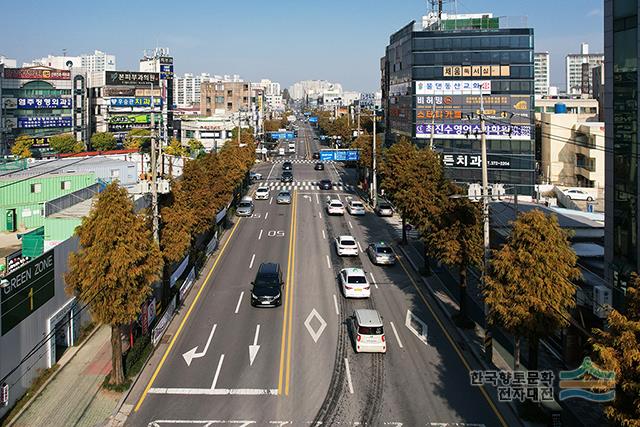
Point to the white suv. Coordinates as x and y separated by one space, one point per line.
346 245
353 283
368 331
335 207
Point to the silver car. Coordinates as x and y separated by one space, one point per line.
245 207
381 253
355 207
284 198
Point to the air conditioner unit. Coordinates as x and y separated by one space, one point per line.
601 301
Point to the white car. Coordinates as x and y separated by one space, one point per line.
353 283
262 193
355 207
346 245
335 207
575 194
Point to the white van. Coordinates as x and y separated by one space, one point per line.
368 331
292 147
281 151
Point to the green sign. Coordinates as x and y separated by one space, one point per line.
133 119
26 290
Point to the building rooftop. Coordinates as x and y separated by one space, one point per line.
70 165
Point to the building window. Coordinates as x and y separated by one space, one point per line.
219 99
208 100
115 173
229 106
229 93
65 185
36 187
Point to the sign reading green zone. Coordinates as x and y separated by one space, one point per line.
28 288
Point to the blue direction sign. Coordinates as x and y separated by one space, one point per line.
339 155
313 119
281 135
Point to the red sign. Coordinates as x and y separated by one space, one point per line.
36 74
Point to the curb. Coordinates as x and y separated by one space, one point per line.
479 357
51 378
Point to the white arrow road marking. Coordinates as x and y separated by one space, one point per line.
194 354
307 323
253 349
215 378
346 362
239 301
396 334
422 333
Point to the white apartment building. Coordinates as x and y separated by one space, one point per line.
313 88
349 97
8 62
579 70
269 87
187 89
97 61
541 72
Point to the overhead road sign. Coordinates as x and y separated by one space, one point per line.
345 155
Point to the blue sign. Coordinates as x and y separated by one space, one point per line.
281 135
313 119
34 103
353 155
339 155
166 71
327 156
135 102
44 122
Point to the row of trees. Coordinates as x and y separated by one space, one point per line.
118 260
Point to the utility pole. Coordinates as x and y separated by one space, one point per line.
154 173
488 339
358 118
374 182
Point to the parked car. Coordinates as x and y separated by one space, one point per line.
384 209
284 197
355 207
266 289
335 207
381 253
367 331
346 245
245 207
262 193
325 184
319 166
575 194
354 283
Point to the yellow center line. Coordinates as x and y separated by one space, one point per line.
455 347
193 304
286 299
292 286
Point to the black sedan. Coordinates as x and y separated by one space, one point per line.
316 155
319 166
325 184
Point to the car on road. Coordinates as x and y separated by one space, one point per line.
355 207
316 154
266 289
281 151
354 283
381 254
335 207
245 207
575 194
287 176
284 197
255 176
262 193
287 166
325 184
346 245
319 166
367 331
292 147
384 209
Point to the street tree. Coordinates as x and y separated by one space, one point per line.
138 139
455 238
65 143
617 349
195 146
103 141
21 147
175 148
272 125
114 266
364 143
178 219
528 286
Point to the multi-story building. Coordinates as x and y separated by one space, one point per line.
541 73
96 61
8 62
187 89
272 94
225 96
371 100
441 74
622 250
578 69
160 61
312 89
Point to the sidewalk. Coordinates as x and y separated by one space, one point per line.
74 396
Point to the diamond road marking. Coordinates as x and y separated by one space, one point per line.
422 333
307 323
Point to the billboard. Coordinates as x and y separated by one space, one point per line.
133 119
472 130
339 155
476 71
166 71
44 122
38 103
119 91
514 109
130 78
36 74
135 102
453 87
466 160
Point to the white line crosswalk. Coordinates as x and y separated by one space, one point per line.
305 185
307 161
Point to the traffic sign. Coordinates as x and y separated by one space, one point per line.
339 155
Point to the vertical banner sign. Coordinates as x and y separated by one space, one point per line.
29 287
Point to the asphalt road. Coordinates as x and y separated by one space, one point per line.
305 369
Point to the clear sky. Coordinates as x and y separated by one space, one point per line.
283 40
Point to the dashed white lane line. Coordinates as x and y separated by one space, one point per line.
359 247
260 235
346 362
317 199
351 226
328 262
373 280
323 235
239 302
253 257
215 378
266 215
335 303
271 201
320 214
395 332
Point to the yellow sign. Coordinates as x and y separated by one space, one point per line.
476 71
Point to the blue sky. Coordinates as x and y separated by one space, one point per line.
284 40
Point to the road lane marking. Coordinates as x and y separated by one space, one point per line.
239 302
271 201
346 362
272 166
328 262
253 257
260 235
186 317
351 226
215 391
317 199
253 349
266 215
396 334
283 376
359 247
292 287
373 280
335 303
450 339
194 353
422 333
323 235
315 335
215 378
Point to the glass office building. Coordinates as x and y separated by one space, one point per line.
439 75
621 142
